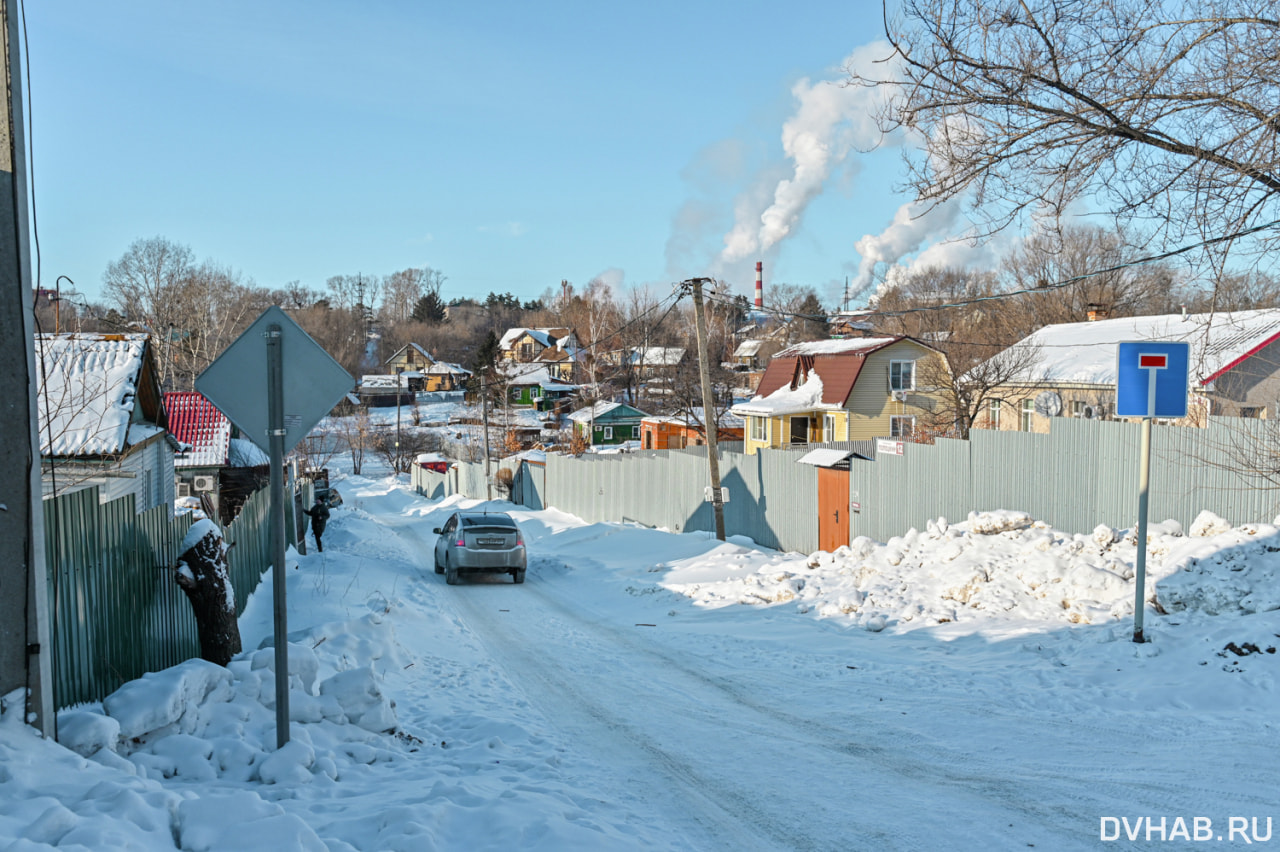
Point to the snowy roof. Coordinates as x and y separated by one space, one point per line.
747 348
837 347
544 336
1085 352
657 356
728 420
447 368
523 374
823 457
88 386
599 410
785 400
245 453
194 420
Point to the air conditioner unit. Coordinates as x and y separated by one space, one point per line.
900 396
204 482
1090 412
184 489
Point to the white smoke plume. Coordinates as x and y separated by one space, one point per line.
831 121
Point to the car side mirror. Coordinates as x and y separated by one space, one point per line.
436 530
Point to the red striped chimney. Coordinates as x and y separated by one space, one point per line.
759 284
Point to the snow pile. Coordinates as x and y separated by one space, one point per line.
1004 565
198 723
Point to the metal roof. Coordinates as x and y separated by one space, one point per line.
194 420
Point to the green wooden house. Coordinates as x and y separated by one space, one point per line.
536 388
608 423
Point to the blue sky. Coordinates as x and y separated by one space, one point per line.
509 145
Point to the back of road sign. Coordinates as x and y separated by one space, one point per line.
236 382
1151 379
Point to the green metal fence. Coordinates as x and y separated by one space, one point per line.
117 612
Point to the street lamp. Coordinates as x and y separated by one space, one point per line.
57 302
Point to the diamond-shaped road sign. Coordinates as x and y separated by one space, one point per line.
236 382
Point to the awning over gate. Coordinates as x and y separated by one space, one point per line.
824 457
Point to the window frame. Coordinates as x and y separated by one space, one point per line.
899 386
1027 412
993 413
760 425
607 433
895 430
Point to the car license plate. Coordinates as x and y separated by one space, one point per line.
489 541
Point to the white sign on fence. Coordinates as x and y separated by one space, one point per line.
892 448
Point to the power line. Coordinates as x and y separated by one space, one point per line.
1056 285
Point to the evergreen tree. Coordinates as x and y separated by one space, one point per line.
430 310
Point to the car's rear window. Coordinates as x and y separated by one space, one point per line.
487 521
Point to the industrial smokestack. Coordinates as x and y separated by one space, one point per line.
759 284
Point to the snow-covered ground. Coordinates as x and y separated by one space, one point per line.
972 685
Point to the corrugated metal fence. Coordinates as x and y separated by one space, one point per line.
1082 474
117 612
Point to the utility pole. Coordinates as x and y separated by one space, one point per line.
484 408
397 462
710 423
26 645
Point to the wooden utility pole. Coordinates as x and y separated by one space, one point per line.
26 645
710 423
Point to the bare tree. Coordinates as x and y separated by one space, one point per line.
144 284
1163 113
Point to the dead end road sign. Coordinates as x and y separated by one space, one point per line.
237 381
1151 379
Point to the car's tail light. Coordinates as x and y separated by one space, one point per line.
461 543
519 542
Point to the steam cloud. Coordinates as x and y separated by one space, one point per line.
831 121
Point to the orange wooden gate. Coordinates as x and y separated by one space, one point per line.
833 508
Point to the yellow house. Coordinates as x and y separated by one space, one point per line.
843 390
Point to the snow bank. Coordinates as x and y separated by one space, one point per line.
1004 565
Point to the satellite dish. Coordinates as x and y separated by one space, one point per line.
1048 404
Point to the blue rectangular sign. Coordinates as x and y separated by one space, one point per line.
1151 379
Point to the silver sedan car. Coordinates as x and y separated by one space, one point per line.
479 542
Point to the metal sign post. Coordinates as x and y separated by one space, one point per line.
238 386
1151 381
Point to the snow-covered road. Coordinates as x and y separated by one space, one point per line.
970 687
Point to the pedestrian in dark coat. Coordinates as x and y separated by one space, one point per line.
319 514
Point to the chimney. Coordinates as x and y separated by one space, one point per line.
759 284
1184 313
1097 312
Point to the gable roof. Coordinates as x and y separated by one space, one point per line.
195 421
606 411
88 387
543 336
657 356
424 353
1085 352
836 363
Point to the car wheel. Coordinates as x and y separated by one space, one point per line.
436 559
518 575
450 574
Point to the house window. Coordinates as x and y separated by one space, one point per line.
758 431
829 428
1254 412
1028 411
901 426
608 433
515 394
993 413
526 351
1077 408
902 375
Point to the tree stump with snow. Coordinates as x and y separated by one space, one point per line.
203 573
